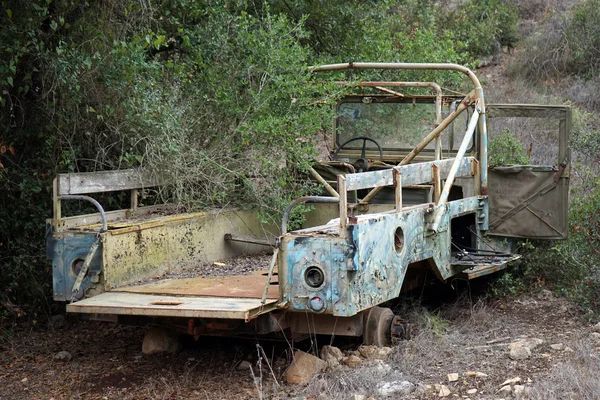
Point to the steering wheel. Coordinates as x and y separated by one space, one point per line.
361 164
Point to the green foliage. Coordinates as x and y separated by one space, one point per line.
506 149
483 26
507 284
583 39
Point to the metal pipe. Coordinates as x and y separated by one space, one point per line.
454 169
91 200
464 146
483 156
305 199
428 139
323 182
402 66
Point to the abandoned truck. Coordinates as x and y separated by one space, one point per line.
407 194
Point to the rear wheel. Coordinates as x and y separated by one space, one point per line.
377 327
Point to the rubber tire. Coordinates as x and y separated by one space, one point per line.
376 326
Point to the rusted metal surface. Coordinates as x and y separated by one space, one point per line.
366 268
121 303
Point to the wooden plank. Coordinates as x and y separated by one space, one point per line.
412 174
104 181
119 303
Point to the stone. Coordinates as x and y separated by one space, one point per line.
452 377
357 397
380 366
545 294
531 343
568 350
511 381
58 321
332 356
595 336
160 340
557 346
519 391
62 356
546 355
331 352
244 366
596 328
476 374
351 361
519 353
395 388
374 352
471 391
505 390
304 367
444 391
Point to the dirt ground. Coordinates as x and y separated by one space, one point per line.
467 335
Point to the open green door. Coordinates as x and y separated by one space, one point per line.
531 201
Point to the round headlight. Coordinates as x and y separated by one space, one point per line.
314 276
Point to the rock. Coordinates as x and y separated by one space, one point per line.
444 391
331 352
596 328
374 352
420 391
160 340
557 346
520 353
519 391
529 343
395 388
357 397
452 377
63 356
351 361
58 321
505 390
244 366
595 336
476 374
380 366
304 367
471 391
24 380
568 350
332 356
545 355
545 294
511 381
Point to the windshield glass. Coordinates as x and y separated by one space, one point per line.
395 125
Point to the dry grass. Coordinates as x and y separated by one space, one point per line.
576 378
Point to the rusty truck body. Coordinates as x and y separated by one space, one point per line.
407 194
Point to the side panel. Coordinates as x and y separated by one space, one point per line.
149 250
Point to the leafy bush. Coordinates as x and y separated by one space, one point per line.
483 26
506 149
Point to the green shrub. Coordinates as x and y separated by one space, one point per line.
506 149
482 26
